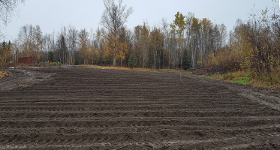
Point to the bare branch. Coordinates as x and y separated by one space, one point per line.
114 16
7 7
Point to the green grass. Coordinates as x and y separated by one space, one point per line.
242 80
210 77
239 77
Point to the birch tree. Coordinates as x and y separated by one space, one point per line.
30 39
156 42
83 43
142 42
72 42
178 26
113 19
166 40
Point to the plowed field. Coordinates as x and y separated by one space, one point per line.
80 108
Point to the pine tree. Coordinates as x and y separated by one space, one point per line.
4 47
186 60
132 61
50 56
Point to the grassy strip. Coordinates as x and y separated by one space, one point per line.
210 77
242 77
118 68
239 77
4 74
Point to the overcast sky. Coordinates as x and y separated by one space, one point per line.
52 15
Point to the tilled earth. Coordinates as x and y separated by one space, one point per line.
76 108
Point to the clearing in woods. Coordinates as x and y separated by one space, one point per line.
77 108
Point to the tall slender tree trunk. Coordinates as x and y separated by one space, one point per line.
143 59
142 62
181 62
162 59
159 62
63 57
155 61
114 62
169 59
84 59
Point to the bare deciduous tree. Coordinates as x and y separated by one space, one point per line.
72 39
7 8
83 44
113 19
30 40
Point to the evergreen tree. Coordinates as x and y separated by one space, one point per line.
50 56
7 51
4 45
132 61
2 52
186 60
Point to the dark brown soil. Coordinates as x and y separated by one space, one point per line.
73 108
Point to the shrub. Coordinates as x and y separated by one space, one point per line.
226 57
229 76
3 73
53 64
271 78
41 64
3 63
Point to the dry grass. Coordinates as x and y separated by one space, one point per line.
4 73
258 83
118 68
267 80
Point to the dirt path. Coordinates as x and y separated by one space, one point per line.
75 108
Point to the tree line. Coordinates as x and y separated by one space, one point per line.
186 42
253 47
161 46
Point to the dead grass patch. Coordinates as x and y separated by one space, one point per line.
118 68
4 73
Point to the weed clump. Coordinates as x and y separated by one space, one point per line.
53 64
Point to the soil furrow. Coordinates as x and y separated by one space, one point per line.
76 108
